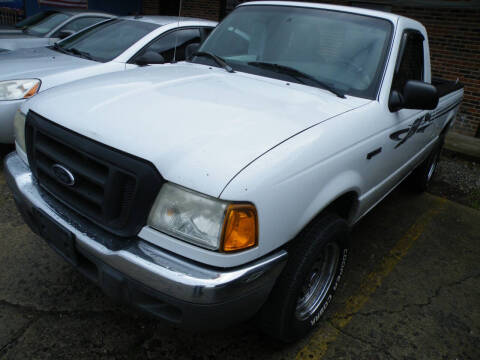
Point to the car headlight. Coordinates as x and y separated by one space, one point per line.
19 89
203 220
19 129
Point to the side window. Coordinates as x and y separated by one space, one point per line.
80 24
411 64
165 45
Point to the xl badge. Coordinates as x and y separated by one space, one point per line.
63 175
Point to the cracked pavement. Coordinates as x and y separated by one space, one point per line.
427 307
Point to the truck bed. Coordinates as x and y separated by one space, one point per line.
445 87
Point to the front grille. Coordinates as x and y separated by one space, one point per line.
113 189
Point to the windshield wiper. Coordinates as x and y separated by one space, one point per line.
83 54
59 48
217 59
296 74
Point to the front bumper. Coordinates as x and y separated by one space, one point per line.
7 114
166 285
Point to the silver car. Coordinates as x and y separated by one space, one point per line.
115 45
49 27
23 24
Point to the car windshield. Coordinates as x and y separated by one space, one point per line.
44 24
107 40
345 52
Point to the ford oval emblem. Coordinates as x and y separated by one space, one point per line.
63 175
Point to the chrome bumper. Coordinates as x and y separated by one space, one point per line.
166 277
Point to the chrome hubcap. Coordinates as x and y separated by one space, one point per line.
318 282
433 167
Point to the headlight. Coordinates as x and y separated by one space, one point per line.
19 130
205 221
19 89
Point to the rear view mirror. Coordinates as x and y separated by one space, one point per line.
149 58
190 50
416 95
65 33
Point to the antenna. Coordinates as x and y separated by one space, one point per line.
176 32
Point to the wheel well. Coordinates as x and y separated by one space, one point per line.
344 205
445 129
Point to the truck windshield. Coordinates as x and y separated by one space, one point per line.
107 40
345 51
45 23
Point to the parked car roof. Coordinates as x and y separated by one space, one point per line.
165 20
74 12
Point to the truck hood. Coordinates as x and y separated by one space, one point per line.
14 41
38 63
199 126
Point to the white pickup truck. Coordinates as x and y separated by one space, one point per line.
208 191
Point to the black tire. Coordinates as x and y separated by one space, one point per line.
5 149
281 317
422 176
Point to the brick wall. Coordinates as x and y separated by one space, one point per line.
206 9
151 7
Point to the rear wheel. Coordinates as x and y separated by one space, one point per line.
307 284
421 177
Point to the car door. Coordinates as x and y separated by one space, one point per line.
171 45
417 129
394 150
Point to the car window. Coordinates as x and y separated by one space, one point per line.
80 23
47 24
165 45
345 51
107 40
411 63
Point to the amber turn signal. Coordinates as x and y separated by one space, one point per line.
240 230
32 91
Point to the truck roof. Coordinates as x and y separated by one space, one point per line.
350 9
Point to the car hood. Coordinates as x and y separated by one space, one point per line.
14 41
38 63
199 126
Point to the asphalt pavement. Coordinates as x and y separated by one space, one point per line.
411 291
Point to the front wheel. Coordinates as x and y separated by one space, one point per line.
306 286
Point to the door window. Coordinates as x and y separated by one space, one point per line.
411 64
165 45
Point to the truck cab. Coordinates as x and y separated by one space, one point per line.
210 191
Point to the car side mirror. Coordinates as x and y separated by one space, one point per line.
149 58
190 50
65 33
415 95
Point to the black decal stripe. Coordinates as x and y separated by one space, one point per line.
443 112
373 153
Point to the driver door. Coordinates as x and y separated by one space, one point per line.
413 126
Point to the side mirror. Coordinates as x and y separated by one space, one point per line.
65 33
416 95
148 58
190 50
